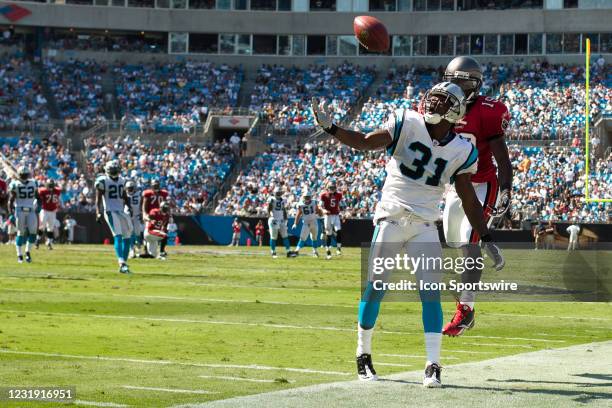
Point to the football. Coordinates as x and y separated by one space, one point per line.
371 33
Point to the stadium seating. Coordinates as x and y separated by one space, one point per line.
77 88
282 94
173 97
192 174
21 98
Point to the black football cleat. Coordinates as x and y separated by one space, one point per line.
433 376
365 368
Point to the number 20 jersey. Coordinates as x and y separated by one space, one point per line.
112 192
420 167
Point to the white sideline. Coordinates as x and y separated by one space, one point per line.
387 364
99 404
256 380
549 317
174 390
271 325
413 356
168 362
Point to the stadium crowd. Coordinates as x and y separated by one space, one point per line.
282 94
21 98
192 174
77 88
174 97
549 182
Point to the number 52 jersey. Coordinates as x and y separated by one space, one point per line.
420 167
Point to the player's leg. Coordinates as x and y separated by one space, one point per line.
314 236
304 231
427 245
273 227
386 242
338 234
21 238
282 229
127 231
459 232
152 243
32 229
50 227
114 224
328 230
41 230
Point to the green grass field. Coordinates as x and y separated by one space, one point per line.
212 323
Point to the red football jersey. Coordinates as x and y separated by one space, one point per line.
3 188
485 119
259 229
50 199
331 202
236 226
152 199
158 222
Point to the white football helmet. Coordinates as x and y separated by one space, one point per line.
453 100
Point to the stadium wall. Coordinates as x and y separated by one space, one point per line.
217 230
335 23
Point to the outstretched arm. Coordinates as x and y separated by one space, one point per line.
375 140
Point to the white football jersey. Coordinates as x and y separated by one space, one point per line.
135 200
420 167
25 193
278 208
112 192
309 212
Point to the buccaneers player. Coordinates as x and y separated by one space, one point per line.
484 125
151 199
50 201
156 230
330 205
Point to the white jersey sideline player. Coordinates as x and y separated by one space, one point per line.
23 197
112 203
277 221
425 154
308 211
135 198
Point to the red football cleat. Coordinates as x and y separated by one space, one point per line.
462 321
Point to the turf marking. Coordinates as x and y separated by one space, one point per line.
174 390
549 317
99 404
256 380
168 362
386 364
412 356
271 325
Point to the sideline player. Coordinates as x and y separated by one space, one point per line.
157 230
277 222
425 155
151 199
112 200
309 212
330 203
573 231
137 228
259 232
50 202
22 201
236 230
484 124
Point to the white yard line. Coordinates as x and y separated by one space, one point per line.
271 325
412 356
255 380
168 362
497 345
531 316
174 390
387 364
183 298
99 404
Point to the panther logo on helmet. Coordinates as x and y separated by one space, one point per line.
444 101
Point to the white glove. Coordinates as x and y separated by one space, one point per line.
494 253
322 114
504 204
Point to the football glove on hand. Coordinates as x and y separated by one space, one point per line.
493 252
98 218
504 203
322 115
